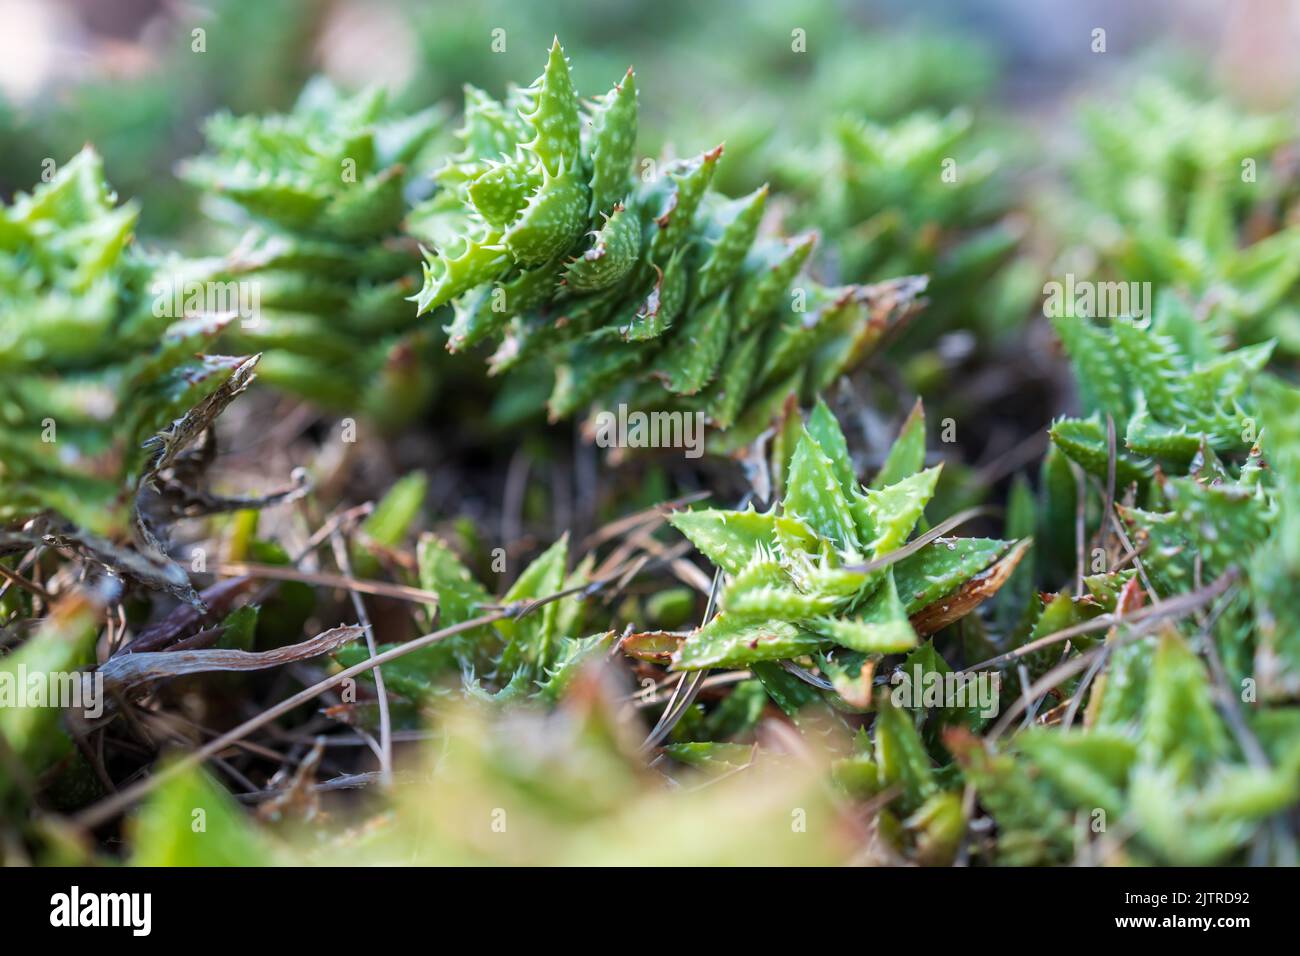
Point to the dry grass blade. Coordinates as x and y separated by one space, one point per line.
1142 625
29 586
1174 607
679 702
400 592
125 672
655 515
359 606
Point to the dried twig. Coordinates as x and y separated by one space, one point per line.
125 672
1174 607
13 577
359 606
1143 624
400 592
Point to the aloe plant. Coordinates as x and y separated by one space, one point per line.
325 189
924 193
1201 460
1156 775
649 288
827 567
1190 193
103 382
506 660
825 583
1204 438
1168 385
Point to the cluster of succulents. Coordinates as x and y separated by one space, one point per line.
1157 772
325 190
1204 443
874 76
1170 388
637 285
919 194
1128 646
1185 753
1176 745
1195 194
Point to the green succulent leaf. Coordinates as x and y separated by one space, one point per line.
895 509
727 538
729 642
907 454
692 356
553 117
612 255
532 643
613 144
815 496
880 626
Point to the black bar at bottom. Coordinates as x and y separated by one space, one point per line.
330 906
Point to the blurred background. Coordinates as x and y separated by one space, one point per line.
136 77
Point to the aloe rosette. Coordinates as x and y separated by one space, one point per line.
98 377
651 289
1194 193
815 597
829 567
1167 383
325 189
533 656
923 193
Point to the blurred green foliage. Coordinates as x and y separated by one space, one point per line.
96 360
255 54
326 189
1197 195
